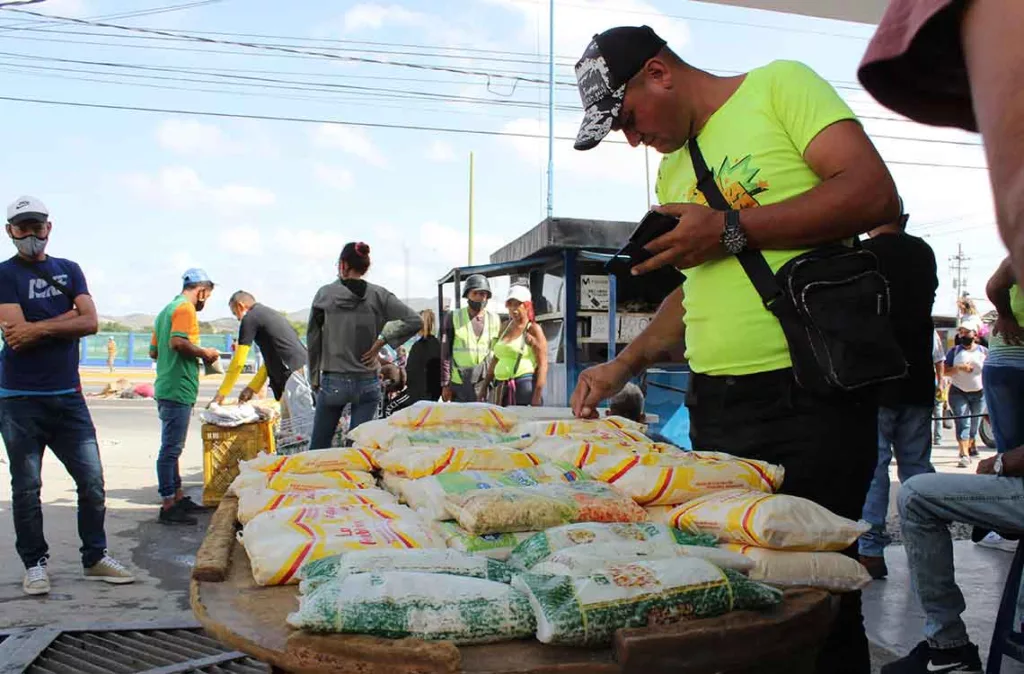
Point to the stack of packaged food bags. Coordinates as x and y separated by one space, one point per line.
566 530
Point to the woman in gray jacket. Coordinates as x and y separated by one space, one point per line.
349 324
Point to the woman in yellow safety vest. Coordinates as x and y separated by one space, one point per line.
520 363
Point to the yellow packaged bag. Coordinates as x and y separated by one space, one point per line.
252 502
832 571
279 542
581 427
582 453
776 521
314 461
677 477
455 416
417 462
334 479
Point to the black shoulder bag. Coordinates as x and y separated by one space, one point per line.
832 303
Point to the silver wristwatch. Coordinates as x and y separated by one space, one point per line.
997 466
734 240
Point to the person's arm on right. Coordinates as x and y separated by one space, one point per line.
998 291
662 336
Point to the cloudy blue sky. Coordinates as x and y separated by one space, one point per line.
136 197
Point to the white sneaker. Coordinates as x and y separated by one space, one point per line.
109 570
997 542
964 462
37 580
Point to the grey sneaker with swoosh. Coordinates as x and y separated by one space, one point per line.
927 660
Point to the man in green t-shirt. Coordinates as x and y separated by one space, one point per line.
790 156
176 349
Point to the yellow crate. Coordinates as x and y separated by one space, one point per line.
223 448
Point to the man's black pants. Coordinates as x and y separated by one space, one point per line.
828 447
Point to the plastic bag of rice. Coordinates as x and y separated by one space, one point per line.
332 479
501 509
776 521
584 559
586 610
313 461
539 547
452 562
252 502
677 477
399 604
416 462
830 571
457 416
493 546
427 495
279 542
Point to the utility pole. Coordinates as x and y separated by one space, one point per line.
958 267
551 108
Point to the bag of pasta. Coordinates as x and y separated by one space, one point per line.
544 544
416 462
252 502
397 604
677 477
279 542
587 610
504 509
455 416
313 461
333 479
776 521
452 562
427 495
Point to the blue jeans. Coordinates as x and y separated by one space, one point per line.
928 503
903 432
174 418
964 403
29 424
336 391
1004 397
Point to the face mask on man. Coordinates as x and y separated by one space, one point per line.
476 306
30 246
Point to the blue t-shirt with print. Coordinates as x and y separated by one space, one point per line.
49 366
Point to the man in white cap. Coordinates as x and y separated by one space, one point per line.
176 349
45 307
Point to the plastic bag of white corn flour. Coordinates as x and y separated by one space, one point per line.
279 542
832 571
455 416
539 547
584 559
313 461
776 521
252 502
333 479
379 434
427 495
579 427
416 462
452 562
503 509
587 610
493 546
677 477
397 605
581 453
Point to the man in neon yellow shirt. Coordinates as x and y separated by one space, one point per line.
785 149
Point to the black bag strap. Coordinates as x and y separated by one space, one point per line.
34 268
752 261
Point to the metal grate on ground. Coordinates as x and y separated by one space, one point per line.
145 650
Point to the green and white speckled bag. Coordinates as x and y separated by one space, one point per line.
433 607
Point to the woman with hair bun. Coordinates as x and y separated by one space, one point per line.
350 322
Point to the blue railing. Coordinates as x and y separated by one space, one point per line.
133 348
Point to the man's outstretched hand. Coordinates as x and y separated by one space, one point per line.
596 384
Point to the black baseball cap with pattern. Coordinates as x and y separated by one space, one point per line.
611 59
